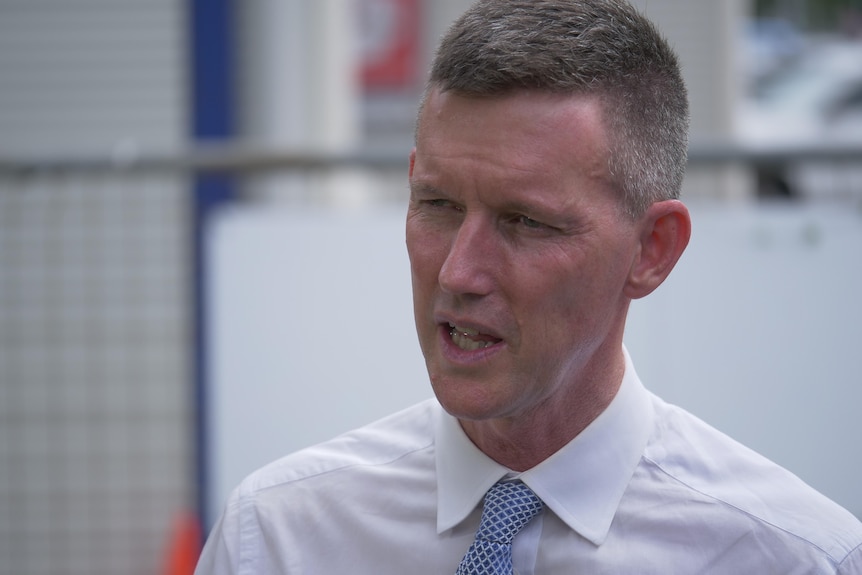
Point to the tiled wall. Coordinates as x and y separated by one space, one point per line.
95 389
95 401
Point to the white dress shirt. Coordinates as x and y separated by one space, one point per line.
647 488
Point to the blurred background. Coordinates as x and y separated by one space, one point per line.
202 264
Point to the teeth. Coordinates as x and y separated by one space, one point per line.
462 337
464 330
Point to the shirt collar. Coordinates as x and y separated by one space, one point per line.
582 483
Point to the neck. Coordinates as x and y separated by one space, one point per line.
522 442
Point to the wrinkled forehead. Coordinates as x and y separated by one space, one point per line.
526 138
538 100
552 123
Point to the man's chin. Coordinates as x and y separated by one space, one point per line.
467 400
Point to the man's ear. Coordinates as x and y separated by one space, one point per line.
412 162
665 231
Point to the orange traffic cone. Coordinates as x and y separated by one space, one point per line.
184 546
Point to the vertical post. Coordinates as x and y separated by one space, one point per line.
212 118
300 90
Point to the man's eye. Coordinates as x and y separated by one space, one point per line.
530 222
440 203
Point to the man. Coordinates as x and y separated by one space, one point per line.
550 149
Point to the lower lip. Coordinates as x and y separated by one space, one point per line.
455 354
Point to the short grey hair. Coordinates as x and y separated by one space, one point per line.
597 47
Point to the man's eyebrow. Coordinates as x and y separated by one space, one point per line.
531 204
423 188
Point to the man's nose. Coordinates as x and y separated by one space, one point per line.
468 267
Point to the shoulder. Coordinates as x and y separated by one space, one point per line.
380 443
745 491
285 512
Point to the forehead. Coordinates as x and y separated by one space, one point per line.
530 134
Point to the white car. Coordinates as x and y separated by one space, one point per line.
813 104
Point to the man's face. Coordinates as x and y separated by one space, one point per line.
519 252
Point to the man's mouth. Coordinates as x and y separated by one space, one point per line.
470 339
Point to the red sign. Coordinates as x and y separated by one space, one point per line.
389 34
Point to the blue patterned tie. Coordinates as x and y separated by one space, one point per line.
509 505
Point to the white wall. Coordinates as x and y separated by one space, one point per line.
756 331
312 332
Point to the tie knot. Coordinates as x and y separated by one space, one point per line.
509 506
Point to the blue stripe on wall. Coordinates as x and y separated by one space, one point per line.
212 111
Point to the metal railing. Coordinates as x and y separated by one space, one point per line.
818 171
243 158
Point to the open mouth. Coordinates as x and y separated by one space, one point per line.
470 339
